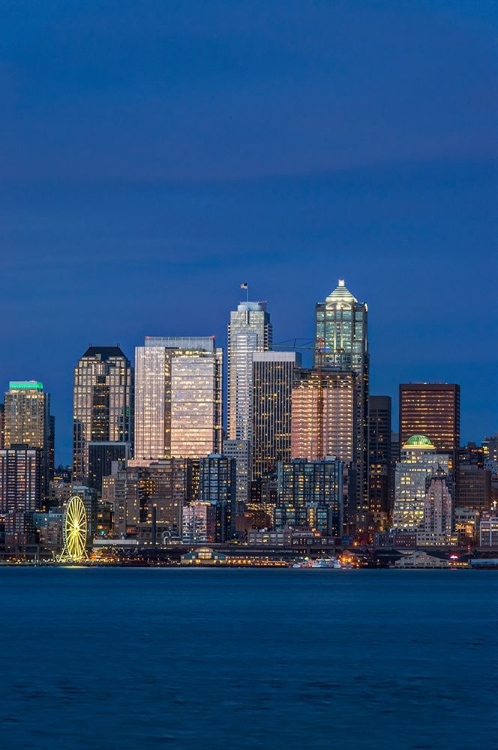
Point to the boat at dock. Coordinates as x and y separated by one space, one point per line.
331 563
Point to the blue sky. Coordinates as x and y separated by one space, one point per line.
154 155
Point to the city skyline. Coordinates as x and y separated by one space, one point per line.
249 373
151 163
472 420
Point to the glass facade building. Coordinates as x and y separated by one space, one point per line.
178 404
333 394
273 379
310 494
249 331
341 343
102 403
380 458
217 483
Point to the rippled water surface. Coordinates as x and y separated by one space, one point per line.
119 658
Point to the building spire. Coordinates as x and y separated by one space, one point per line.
341 294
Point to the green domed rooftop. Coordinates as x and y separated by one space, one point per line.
419 441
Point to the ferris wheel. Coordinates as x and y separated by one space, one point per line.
74 530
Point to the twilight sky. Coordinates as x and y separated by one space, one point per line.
154 155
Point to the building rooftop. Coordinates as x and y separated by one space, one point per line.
419 441
189 343
251 306
341 294
104 352
25 385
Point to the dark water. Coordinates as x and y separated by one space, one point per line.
117 658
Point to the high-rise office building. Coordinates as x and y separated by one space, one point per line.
431 409
217 485
102 403
249 331
27 414
273 379
178 401
419 462
310 494
20 479
341 344
324 415
380 458
27 421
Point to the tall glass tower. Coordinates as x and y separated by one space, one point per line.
178 407
102 403
273 375
249 331
341 343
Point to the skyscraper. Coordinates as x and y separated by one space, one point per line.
273 379
324 415
431 409
102 403
249 331
217 486
27 421
178 407
380 458
341 343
